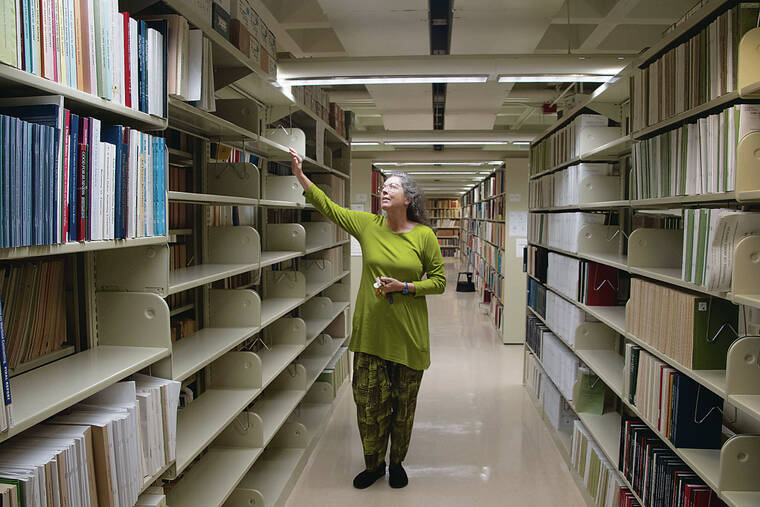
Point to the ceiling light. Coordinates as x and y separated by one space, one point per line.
445 143
437 173
521 143
378 80
556 78
362 143
469 164
621 57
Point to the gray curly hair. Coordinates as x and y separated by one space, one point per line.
416 211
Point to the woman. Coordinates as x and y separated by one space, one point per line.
390 338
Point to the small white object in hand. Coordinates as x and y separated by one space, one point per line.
376 285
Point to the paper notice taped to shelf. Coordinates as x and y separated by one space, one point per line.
518 223
520 244
515 197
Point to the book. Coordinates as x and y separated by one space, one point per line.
6 413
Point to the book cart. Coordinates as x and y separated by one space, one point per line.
655 255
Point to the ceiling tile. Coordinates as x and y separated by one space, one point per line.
404 107
316 40
556 36
632 37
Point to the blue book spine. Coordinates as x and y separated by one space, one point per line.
124 183
143 64
13 203
55 166
73 162
36 192
26 19
6 379
26 218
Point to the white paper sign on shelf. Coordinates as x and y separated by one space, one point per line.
515 197
520 244
518 223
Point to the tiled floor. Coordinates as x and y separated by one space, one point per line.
477 439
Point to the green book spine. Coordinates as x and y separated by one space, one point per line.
689 247
704 223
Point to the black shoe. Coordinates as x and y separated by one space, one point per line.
368 477
397 477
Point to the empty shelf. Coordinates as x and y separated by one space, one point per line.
202 348
214 477
605 429
269 258
194 276
273 472
274 308
607 364
314 327
205 418
276 409
275 359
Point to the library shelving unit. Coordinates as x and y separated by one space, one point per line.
606 215
446 220
483 241
269 300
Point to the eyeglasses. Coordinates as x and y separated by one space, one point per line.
391 186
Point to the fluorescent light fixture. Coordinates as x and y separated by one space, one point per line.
556 78
379 80
521 143
363 143
445 143
441 173
469 164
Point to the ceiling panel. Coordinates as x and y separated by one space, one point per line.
295 11
404 107
316 40
557 36
500 26
632 37
660 9
392 27
474 107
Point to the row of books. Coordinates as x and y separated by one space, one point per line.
536 262
445 213
444 223
563 317
33 322
656 473
489 253
686 413
97 452
700 69
449 252
534 332
71 178
377 182
560 230
90 46
691 329
490 231
537 297
448 242
183 327
533 373
488 210
559 412
442 203
180 256
181 215
695 158
181 299
447 233
601 479
590 283
709 239
223 216
565 144
491 186
562 188
219 152
560 363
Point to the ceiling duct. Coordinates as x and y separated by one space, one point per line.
440 43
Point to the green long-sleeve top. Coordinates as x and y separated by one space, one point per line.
396 332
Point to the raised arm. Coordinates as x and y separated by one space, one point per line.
351 221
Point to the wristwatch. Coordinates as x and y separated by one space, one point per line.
405 290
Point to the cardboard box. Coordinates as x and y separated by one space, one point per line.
240 37
272 67
269 42
243 11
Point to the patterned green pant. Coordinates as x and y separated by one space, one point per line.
386 397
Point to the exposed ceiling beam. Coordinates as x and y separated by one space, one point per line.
606 26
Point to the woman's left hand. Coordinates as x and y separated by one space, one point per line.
389 285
